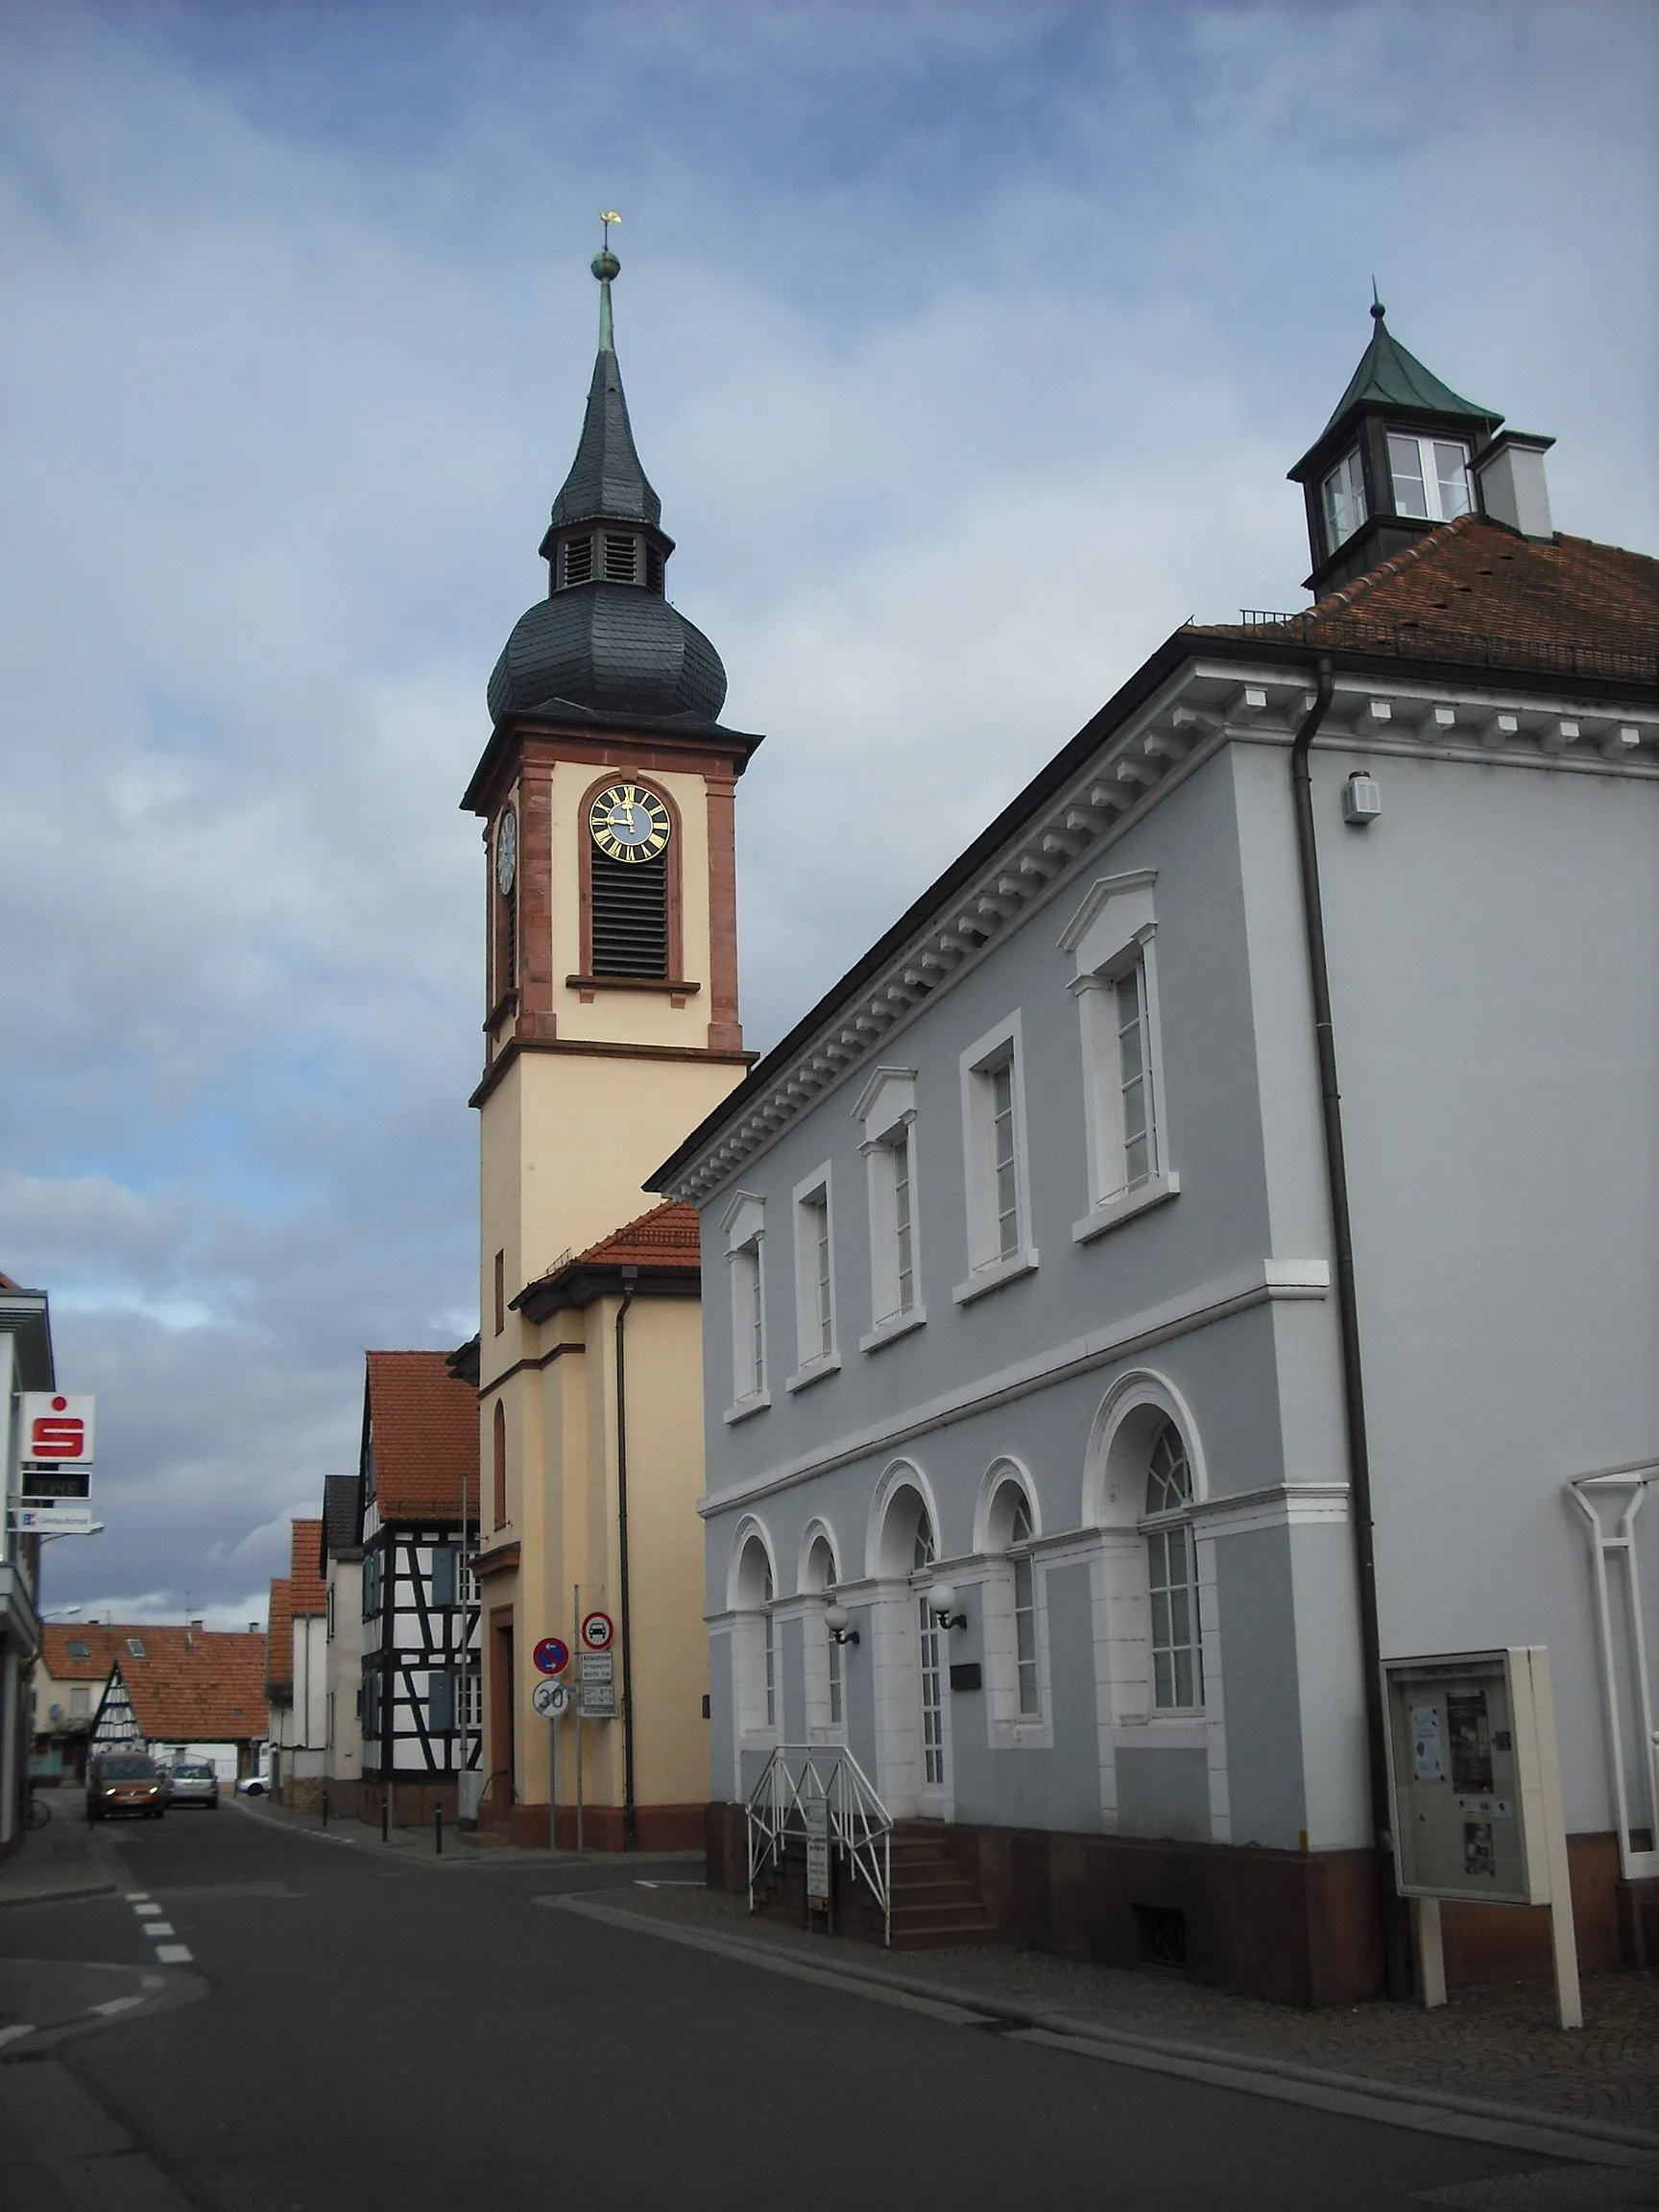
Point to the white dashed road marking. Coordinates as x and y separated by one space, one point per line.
154 1925
114 2005
11 2034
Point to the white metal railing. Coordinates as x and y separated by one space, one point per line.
861 1826
1619 1624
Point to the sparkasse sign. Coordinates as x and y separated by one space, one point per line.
56 1429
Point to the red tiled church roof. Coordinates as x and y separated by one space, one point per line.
665 1238
425 1427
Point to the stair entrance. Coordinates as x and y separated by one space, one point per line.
825 1852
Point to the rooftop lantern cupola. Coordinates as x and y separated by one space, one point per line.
1404 454
605 641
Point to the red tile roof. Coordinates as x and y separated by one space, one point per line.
665 1238
280 1643
424 1424
307 1592
102 1645
190 1685
1457 592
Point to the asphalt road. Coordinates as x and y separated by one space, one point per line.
386 2036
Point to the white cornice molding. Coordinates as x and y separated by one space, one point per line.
1208 702
1267 1280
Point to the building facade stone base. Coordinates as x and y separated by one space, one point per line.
657 1827
1293 1927
414 1800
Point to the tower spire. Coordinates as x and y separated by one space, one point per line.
606 266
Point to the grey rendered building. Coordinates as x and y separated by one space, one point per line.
1043 1283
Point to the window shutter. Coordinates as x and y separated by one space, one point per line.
629 915
441 1704
443 1573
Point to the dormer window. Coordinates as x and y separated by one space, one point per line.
1431 477
621 556
1344 490
578 560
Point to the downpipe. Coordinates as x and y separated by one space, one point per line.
1391 1906
630 1822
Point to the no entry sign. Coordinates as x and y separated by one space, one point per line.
552 1655
598 1632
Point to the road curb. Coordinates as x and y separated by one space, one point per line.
1523 2126
60 1896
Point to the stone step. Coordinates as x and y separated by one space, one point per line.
940 1937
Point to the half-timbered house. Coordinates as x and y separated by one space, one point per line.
418 1520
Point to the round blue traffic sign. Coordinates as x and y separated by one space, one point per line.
552 1655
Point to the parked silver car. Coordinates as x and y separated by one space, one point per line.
192 1782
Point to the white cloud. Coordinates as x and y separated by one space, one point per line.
968 348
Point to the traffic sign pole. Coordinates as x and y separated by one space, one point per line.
576 1615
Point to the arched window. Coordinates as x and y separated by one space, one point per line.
1010 1529
832 1700
631 901
757 1651
1172 1575
505 873
498 1448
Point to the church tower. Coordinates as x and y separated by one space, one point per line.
611 1028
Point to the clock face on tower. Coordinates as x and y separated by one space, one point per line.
506 851
629 822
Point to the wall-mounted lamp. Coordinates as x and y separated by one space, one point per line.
941 1601
838 1621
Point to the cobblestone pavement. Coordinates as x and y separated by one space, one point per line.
1500 2044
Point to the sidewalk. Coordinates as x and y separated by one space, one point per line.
460 1847
1499 2047
58 1862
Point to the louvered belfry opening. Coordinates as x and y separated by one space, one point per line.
630 909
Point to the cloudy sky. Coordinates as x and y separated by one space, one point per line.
967 346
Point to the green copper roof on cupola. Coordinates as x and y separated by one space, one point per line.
606 482
1388 376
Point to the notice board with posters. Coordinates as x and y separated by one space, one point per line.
1472 1778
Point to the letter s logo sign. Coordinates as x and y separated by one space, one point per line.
57 1437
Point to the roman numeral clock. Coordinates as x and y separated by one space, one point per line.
629 823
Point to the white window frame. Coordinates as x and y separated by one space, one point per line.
757 1687
824 1660
1006 1490
1113 935
1156 1528
744 1224
887 1110
1426 443
817 1345
989 1266
1347 479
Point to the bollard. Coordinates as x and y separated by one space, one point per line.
385 1817
438 1829
325 1806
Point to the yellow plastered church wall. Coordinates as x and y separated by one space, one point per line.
588 1128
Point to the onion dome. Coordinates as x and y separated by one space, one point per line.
605 640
